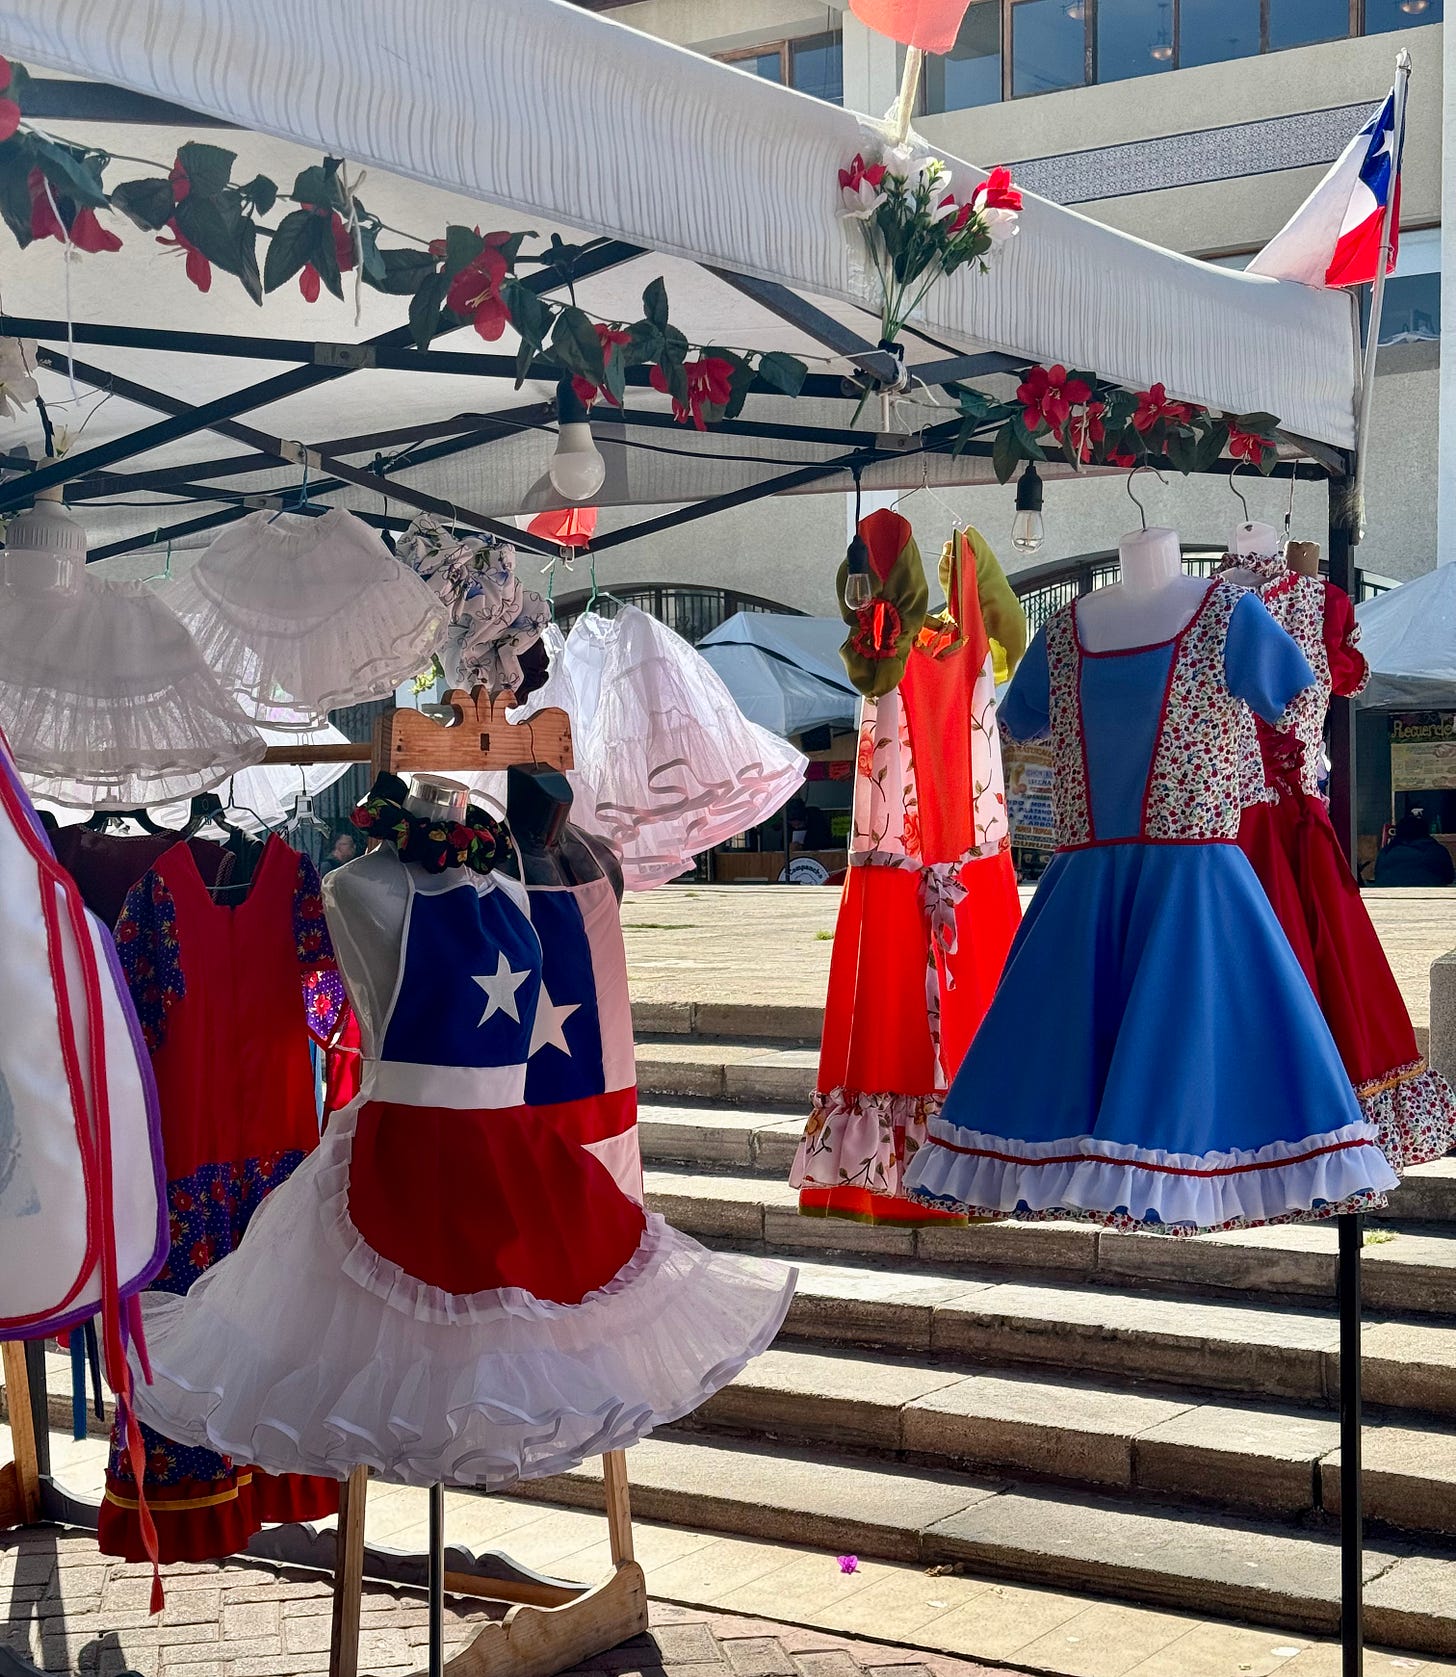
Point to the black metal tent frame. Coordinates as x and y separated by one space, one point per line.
88 475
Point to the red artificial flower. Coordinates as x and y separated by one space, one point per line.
1048 395
1121 457
710 384
1153 406
199 269
878 626
309 278
475 292
997 192
1244 445
850 178
963 215
9 110
85 232
607 337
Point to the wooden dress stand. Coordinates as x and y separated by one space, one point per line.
550 1626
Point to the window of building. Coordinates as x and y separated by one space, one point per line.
1009 49
812 63
1411 313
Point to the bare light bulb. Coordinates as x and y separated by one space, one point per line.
577 469
1162 52
1414 8
1077 10
1027 530
859 590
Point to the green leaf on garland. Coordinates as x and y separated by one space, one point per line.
1182 448
207 224
644 344
1027 445
1261 424
70 171
401 272
371 258
529 315
261 193
616 371
247 262
145 203
784 373
15 162
1212 442
976 405
654 304
289 248
576 346
319 186
1005 452
462 246
425 308
209 169
324 255
739 385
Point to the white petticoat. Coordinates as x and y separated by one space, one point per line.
280 1355
669 763
299 615
105 698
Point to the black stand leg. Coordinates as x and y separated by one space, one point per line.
437 1580
1352 1516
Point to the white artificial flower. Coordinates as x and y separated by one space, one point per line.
17 385
1000 224
860 202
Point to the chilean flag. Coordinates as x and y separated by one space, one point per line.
1333 238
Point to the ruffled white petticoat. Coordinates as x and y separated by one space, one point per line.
299 615
306 1352
670 764
104 696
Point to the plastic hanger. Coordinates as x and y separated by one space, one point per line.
600 593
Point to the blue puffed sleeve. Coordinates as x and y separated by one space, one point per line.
1261 663
1025 712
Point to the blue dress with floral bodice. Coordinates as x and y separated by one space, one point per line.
1154 1057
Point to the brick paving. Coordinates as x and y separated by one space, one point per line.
70 1610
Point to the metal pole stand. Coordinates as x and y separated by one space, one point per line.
437 1580
1352 1514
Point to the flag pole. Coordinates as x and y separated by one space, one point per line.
1377 294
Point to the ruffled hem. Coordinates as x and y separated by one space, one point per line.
1414 1114
1123 1186
856 1139
363 1368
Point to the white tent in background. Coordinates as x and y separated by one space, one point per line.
1409 637
784 672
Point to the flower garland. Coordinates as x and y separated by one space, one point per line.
435 845
1090 422
52 188
915 232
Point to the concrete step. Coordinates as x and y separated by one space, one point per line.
1095 1434
1199 1563
742 1073
761 1021
1407 1269
1259 1351
744 1141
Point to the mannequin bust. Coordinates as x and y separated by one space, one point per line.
552 852
1154 601
1303 558
1254 541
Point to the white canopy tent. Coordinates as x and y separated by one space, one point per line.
1409 637
784 672
533 113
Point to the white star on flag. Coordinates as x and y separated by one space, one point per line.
500 989
549 1029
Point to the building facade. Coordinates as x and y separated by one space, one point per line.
1199 125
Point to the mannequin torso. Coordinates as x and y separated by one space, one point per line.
1254 541
1154 601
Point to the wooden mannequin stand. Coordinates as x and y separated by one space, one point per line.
20 1477
550 1626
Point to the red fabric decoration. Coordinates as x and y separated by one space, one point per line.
931 25
566 526
879 628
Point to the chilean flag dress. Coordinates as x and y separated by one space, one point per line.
461 1283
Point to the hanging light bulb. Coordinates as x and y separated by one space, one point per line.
1027 529
577 469
1414 8
1077 10
859 587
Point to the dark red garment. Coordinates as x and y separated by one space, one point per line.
107 865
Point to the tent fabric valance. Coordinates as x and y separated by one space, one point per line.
554 112
784 672
1408 635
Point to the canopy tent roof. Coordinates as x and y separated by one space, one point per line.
784 672
537 114
1409 637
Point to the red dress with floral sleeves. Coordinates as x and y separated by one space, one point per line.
228 998
1287 835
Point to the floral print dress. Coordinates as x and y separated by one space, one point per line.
228 998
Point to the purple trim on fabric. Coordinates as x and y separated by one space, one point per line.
12 774
154 1114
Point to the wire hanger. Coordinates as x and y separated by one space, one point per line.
1289 510
1142 510
1238 493
165 574
923 487
302 500
600 593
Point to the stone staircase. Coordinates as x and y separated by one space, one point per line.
1133 1416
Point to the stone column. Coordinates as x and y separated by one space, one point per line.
1441 1048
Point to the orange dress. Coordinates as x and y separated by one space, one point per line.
928 913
